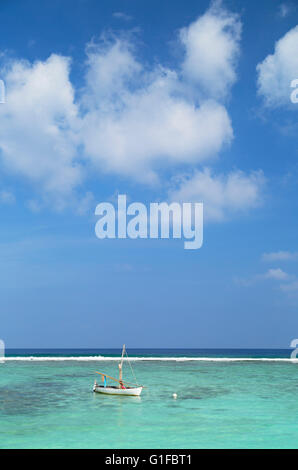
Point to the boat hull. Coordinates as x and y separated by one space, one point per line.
133 392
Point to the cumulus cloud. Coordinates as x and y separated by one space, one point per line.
129 119
280 256
222 195
278 70
38 124
137 118
211 50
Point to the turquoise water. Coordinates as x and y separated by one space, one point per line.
225 404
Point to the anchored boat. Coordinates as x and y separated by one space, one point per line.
123 388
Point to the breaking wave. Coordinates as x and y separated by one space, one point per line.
163 359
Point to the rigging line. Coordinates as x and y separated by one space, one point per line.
134 376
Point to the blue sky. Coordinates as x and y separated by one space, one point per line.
160 101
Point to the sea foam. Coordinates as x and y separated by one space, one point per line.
163 359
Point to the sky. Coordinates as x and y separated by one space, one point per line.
161 101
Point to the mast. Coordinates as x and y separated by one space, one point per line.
120 367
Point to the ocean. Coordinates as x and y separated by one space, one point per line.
225 399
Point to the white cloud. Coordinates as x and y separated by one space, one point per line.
130 128
277 274
277 71
222 195
122 16
129 119
211 50
38 123
138 119
112 71
279 256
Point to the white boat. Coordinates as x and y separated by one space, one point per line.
124 388
132 391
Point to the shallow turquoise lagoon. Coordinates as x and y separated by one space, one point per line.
50 404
